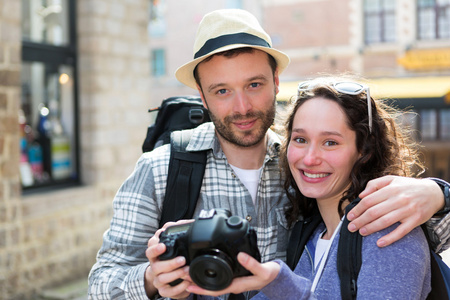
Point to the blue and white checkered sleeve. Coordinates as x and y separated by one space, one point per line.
121 261
438 229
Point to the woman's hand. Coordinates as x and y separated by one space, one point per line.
263 274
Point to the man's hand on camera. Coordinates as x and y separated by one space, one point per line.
263 274
160 273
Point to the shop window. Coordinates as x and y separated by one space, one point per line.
433 19
48 114
444 122
379 21
158 62
409 120
428 124
45 21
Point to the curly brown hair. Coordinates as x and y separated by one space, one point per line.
385 150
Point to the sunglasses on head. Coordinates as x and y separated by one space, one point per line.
344 87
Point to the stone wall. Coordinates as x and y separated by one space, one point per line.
10 199
114 86
50 238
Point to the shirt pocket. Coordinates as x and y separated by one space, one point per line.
281 217
282 233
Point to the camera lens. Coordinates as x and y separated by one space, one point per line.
212 270
210 273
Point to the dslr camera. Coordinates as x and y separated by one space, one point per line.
210 245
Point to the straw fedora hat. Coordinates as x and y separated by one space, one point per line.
226 29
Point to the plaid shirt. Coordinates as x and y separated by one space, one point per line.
439 233
121 261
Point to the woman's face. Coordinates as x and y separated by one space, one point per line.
322 149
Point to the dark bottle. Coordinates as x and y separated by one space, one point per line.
44 139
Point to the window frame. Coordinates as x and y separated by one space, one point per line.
437 33
158 68
382 16
57 56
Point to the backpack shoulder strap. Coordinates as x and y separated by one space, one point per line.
301 232
349 258
184 179
440 273
440 278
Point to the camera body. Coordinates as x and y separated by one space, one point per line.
210 245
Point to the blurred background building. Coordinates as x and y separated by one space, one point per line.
77 79
400 47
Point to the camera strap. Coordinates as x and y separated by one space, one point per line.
237 297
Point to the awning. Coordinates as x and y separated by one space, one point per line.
392 88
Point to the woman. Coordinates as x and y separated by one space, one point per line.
337 139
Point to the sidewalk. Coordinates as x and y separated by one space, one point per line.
76 290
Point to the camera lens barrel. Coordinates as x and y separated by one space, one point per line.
212 271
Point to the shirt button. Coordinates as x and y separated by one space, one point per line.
248 218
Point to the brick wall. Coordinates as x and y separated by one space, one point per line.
114 85
10 214
50 238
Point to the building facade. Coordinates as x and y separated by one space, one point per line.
400 48
77 79
51 223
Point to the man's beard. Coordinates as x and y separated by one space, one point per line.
251 137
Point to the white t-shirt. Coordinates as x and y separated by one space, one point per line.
250 179
321 248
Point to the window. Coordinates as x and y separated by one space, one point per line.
379 21
233 4
48 114
428 124
433 17
409 121
45 21
444 122
158 62
157 24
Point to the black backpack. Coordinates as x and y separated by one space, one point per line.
186 169
174 113
350 259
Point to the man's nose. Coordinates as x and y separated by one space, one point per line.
242 103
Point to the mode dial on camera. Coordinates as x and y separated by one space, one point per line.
234 222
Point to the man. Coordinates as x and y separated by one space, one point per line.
236 73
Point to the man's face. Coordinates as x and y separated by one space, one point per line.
239 93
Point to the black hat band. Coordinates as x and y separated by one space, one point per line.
229 39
